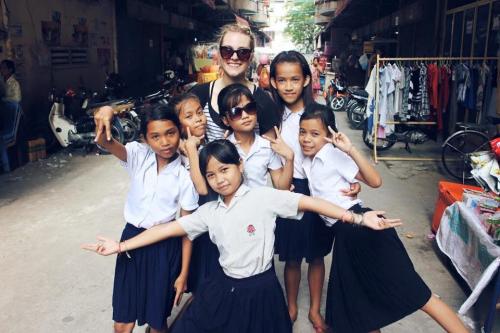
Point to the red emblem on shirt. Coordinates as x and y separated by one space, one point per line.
251 230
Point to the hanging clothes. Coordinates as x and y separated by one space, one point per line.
433 83
403 115
444 95
424 102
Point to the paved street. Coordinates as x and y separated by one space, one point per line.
48 208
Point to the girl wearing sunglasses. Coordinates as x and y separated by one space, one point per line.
238 110
236 46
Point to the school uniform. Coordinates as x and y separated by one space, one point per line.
143 284
310 238
204 255
245 296
372 280
258 161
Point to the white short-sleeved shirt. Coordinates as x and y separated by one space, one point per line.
330 171
153 197
290 126
258 161
244 230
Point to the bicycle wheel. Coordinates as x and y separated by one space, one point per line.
457 150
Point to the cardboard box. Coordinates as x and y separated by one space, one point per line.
36 149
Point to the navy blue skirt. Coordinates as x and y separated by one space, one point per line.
372 280
227 305
143 287
308 238
205 255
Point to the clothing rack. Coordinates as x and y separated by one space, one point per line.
377 98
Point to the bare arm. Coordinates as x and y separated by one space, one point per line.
199 182
281 178
369 219
103 118
106 246
180 284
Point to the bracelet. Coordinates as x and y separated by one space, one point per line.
342 217
357 219
126 251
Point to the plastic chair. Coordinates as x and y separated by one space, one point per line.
11 116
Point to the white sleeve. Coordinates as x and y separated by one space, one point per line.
285 204
135 152
274 161
188 197
194 224
349 168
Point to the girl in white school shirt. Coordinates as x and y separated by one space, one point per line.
372 280
310 238
260 155
246 296
205 255
149 280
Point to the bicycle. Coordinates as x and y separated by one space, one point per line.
458 149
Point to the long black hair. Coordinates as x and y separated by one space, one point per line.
222 150
293 57
323 113
157 112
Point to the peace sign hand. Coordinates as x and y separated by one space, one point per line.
102 119
104 246
279 146
340 140
192 142
373 221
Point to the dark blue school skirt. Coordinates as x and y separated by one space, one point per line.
205 255
143 287
228 305
308 238
372 280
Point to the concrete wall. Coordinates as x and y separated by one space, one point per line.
32 53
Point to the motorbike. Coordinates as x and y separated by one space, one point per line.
356 107
337 94
402 133
71 119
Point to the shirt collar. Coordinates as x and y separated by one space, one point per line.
258 143
324 153
241 191
174 167
289 112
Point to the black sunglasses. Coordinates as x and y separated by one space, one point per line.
226 52
236 112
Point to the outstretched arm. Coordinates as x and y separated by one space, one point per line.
370 219
106 246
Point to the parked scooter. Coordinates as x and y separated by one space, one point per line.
71 119
356 107
337 95
403 133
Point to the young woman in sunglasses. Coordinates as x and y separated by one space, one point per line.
236 46
260 155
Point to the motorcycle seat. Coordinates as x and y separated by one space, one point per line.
360 93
